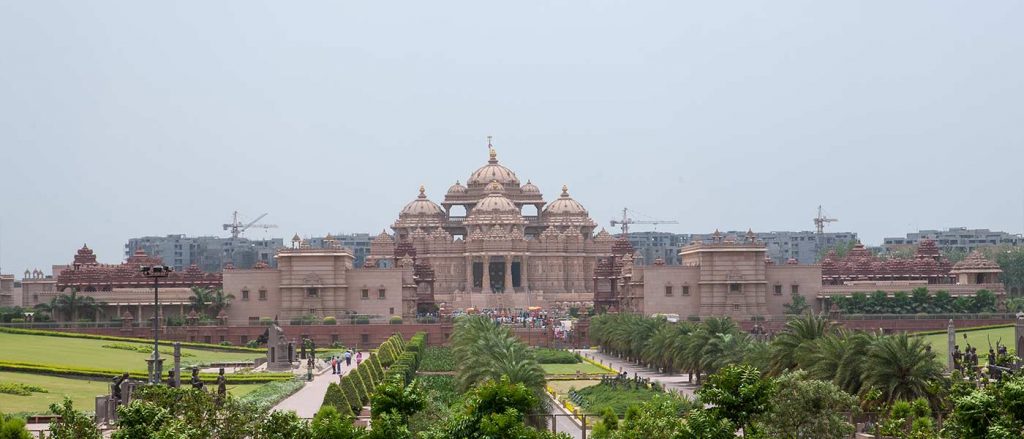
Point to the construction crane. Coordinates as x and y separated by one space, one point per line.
821 220
236 227
626 221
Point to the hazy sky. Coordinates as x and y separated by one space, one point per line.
128 118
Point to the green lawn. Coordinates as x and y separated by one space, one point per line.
76 352
979 339
556 369
562 387
82 392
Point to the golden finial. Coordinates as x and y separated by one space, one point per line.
423 191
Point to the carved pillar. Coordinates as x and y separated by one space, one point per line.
486 283
951 343
469 274
508 274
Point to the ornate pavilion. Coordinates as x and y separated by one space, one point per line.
495 256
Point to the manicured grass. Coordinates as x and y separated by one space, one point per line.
979 339
75 352
562 387
558 369
81 391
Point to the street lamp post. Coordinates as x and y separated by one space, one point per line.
155 363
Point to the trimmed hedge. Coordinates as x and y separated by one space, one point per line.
46 369
349 389
367 380
377 369
335 397
184 344
362 392
962 330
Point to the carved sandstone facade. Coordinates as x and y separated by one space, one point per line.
495 256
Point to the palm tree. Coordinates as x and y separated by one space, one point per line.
839 358
200 298
70 304
486 351
219 301
901 367
794 342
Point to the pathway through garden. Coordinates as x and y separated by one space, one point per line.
306 402
676 383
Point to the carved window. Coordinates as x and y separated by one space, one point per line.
735 288
391 310
795 289
254 320
668 290
245 294
735 307
364 338
365 294
312 292
778 290
263 294
686 290
381 294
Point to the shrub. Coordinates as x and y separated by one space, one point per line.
395 320
46 369
330 320
18 320
252 344
269 394
71 423
226 343
362 320
13 428
362 390
438 359
337 345
20 389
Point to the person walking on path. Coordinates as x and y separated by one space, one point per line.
359 358
348 358
334 366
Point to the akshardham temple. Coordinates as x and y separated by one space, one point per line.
495 255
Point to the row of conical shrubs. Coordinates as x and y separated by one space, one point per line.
353 392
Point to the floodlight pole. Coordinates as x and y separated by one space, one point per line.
156 365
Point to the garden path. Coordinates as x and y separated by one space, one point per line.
676 383
306 402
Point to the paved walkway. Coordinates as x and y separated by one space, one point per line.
676 383
306 402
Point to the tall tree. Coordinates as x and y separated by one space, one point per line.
901 367
200 299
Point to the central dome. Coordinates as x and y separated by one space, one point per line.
492 171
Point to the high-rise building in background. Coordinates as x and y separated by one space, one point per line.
209 253
804 247
959 239
359 243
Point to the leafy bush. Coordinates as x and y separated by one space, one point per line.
252 344
395 320
556 356
225 343
362 320
330 320
13 428
618 398
71 423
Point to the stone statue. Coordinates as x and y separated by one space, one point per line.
196 382
958 358
222 385
117 386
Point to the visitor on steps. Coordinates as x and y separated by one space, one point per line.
348 358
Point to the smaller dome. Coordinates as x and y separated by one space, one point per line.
975 263
495 202
457 189
494 187
565 205
422 206
530 188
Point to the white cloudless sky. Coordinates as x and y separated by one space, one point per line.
121 119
